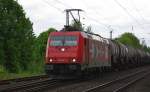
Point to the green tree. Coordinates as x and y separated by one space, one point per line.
89 29
16 37
146 48
40 49
42 41
77 25
129 39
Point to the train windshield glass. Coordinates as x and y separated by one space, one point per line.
63 41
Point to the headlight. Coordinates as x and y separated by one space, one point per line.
62 49
50 60
73 60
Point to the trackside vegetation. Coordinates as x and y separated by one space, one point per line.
16 37
131 40
21 52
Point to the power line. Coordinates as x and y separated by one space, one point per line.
132 17
85 4
85 15
63 3
97 13
136 9
95 20
51 5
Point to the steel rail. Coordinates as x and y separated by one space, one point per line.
3 82
120 89
101 86
41 87
27 85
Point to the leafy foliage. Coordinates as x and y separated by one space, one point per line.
146 48
16 37
129 39
40 49
89 29
42 40
77 25
20 50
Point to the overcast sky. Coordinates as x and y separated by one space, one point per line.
102 15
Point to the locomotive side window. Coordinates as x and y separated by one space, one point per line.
63 41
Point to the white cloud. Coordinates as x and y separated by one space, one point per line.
49 13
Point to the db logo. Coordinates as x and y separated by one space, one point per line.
94 51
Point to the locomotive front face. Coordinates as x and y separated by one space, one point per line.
63 49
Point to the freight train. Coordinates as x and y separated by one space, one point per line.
72 52
76 52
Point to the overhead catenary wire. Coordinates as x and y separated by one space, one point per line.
127 12
106 26
88 16
68 6
97 13
58 1
85 4
136 9
51 5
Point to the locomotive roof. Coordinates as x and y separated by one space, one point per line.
95 37
84 34
65 33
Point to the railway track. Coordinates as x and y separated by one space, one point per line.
30 86
41 84
120 84
37 84
9 81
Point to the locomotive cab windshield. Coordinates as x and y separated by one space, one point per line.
63 40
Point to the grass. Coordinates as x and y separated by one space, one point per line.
35 70
5 76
